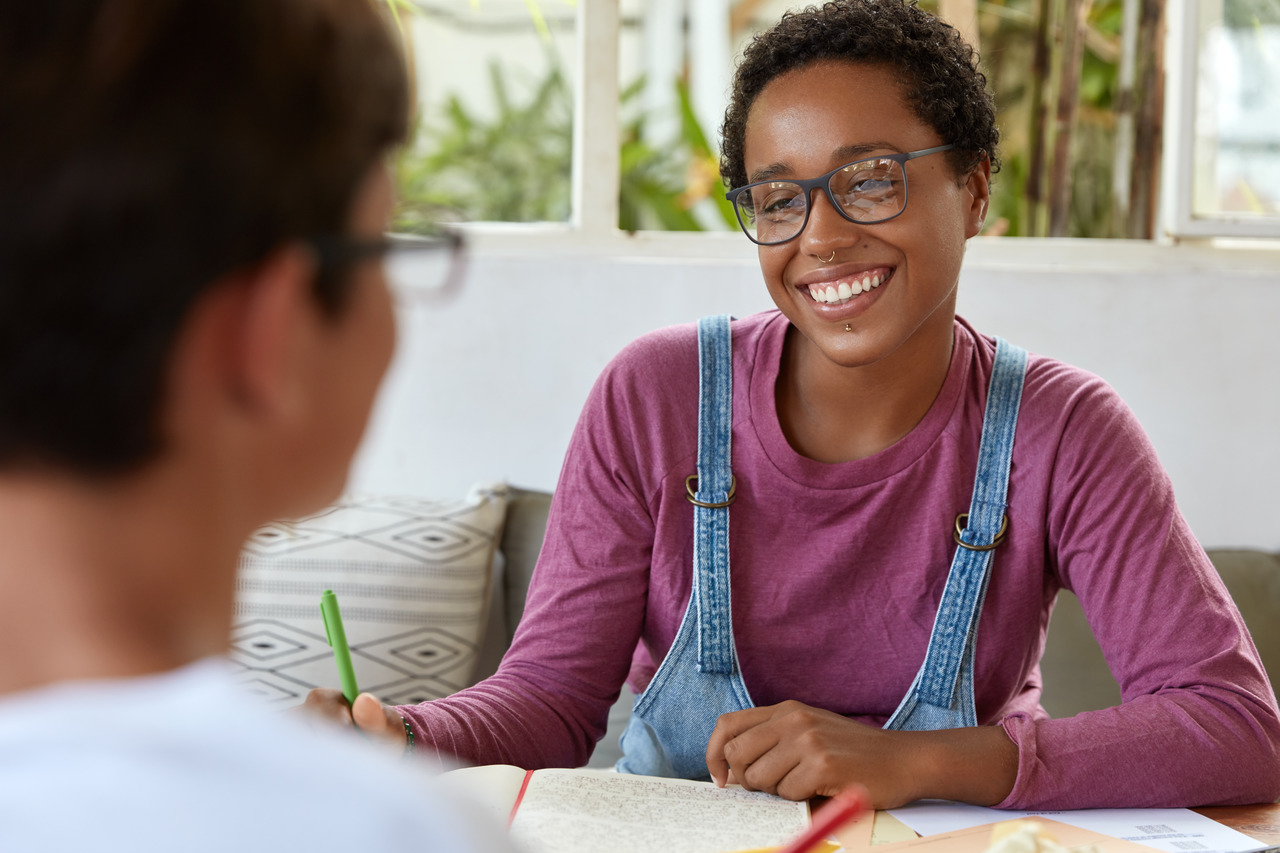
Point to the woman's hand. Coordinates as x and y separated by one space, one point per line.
370 716
797 752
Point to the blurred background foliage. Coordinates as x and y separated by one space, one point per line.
515 164
1033 117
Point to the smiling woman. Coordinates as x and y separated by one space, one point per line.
899 496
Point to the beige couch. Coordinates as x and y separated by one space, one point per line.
1076 676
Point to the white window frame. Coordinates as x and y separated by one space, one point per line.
1182 52
592 229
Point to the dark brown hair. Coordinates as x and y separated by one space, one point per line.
937 69
147 148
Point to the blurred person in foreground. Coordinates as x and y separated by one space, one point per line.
194 321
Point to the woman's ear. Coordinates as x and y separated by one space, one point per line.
978 186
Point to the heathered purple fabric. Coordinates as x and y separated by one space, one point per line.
837 570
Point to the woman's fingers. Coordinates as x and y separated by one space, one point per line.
729 728
328 705
378 720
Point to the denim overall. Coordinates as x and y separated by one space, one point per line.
700 678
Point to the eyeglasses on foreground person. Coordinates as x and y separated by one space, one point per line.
435 260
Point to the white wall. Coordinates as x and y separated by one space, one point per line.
489 386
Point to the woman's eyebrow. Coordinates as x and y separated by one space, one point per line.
770 171
845 154
849 153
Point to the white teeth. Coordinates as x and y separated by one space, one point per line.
846 290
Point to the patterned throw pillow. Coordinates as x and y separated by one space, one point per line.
412 579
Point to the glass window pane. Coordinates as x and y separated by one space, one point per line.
672 98
495 112
1237 136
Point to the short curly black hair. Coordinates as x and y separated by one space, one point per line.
938 69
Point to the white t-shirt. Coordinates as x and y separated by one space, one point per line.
183 761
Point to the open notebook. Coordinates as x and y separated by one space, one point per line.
587 811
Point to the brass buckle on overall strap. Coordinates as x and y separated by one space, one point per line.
962 521
691 489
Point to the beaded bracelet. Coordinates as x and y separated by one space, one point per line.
408 735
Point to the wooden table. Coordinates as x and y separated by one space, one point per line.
1260 822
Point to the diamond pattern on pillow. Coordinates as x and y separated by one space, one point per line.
413 579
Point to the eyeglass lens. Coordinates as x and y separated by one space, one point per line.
866 191
427 269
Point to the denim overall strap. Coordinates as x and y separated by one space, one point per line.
715 479
699 679
942 695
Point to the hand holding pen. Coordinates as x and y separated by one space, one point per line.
349 706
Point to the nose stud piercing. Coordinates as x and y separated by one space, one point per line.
830 259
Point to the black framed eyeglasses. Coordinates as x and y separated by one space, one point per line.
866 191
430 265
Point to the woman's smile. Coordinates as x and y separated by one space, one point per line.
839 285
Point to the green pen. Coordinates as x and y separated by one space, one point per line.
337 637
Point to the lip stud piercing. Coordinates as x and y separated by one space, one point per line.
846 328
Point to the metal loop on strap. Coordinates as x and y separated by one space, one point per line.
691 488
962 521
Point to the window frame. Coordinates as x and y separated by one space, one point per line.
592 227
1182 73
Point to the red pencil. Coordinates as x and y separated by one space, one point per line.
841 809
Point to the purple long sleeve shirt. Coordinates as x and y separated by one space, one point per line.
838 569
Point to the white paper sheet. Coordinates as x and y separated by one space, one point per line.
1170 830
